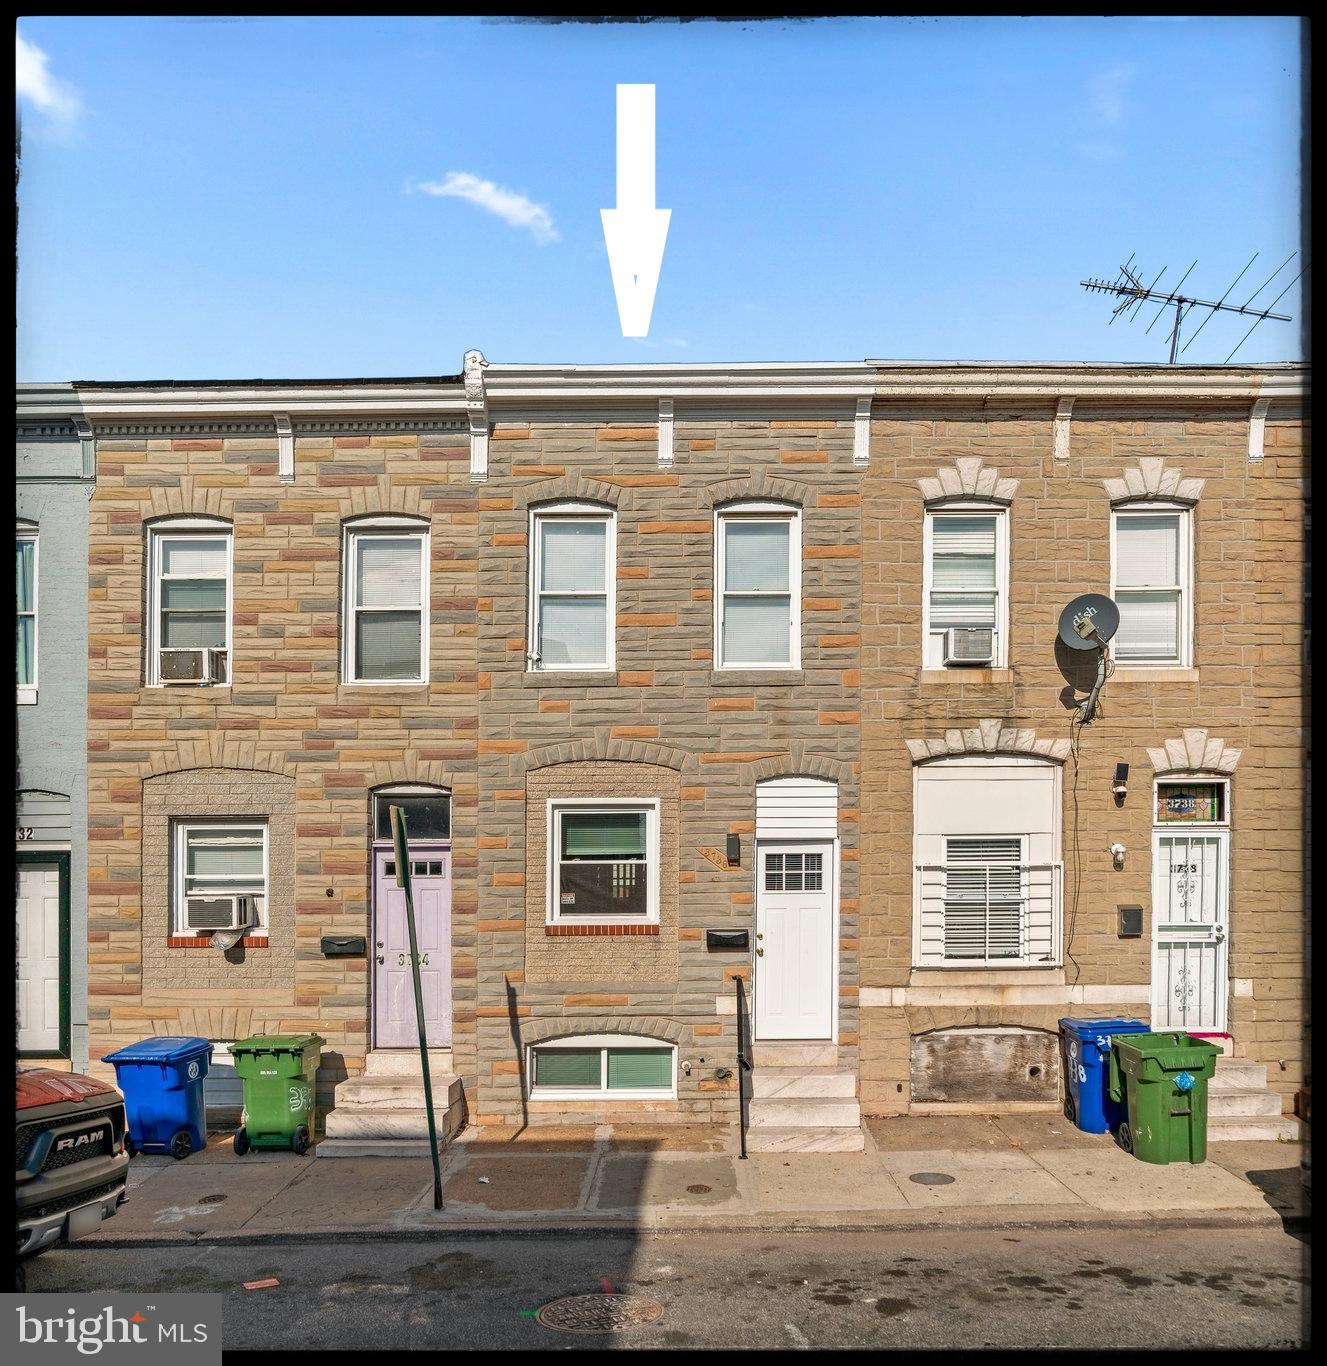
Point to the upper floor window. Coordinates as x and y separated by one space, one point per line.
604 863
1151 582
572 588
189 602
25 579
385 631
757 590
965 593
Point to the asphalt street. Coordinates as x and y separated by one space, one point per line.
1129 1288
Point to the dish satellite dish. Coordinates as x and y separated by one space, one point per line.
1089 621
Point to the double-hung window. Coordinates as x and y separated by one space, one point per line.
604 861
965 594
1151 571
385 631
25 579
220 880
757 591
572 588
189 594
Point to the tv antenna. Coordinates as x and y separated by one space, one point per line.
1133 294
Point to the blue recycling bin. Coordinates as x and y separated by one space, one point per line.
1085 1054
162 1081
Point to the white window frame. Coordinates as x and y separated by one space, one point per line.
27 692
398 528
1185 586
571 512
603 1042
180 829
554 915
969 508
752 510
185 529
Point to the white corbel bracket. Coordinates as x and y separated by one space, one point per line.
665 433
1258 427
861 433
285 448
476 407
1063 409
87 444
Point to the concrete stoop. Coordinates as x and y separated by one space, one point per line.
1240 1105
802 1101
382 1113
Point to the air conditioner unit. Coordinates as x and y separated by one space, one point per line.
969 645
198 666
206 914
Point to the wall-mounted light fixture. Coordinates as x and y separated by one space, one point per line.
1120 786
735 850
1117 852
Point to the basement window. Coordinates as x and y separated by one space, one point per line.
603 1067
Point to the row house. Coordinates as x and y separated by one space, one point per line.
725 704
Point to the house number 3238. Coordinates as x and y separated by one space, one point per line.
402 959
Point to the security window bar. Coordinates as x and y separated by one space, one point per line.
571 627
216 863
193 599
758 623
25 579
603 863
386 628
984 901
964 578
1150 571
794 872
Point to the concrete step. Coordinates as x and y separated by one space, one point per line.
822 1140
397 1093
792 1055
819 1112
1229 1128
394 1124
1230 1103
404 1062
1238 1074
798 1083
373 1147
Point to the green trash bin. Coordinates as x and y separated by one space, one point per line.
1162 1081
279 1072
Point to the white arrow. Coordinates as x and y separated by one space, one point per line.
635 232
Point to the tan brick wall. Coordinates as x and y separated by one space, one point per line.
1246 689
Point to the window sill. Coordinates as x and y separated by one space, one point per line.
395 684
756 678
187 689
565 931
969 673
204 941
1152 673
1020 974
569 678
27 697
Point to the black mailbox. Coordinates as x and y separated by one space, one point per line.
343 946
1131 922
726 939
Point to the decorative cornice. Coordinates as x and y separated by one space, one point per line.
665 433
968 478
1063 411
1151 478
476 407
1258 427
285 448
990 736
1194 752
861 433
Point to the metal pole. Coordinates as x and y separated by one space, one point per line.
402 847
1175 335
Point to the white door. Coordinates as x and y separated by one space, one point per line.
1190 906
794 982
38 958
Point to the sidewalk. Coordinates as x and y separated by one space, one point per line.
923 1171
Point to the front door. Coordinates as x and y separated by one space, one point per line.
794 982
394 1024
43 954
1190 908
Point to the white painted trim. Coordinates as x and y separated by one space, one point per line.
27 692
186 528
1185 513
399 528
995 994
1257 427
968 508
87 446
285 448
476 408
1063 409
760 511
665 433
553 914
570 511
861 433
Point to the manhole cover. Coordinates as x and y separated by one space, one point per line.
211 1199
698 1190
931 1178
599 1313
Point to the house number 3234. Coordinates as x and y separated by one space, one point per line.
403 958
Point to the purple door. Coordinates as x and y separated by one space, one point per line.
394 1023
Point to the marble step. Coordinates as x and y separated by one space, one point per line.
800 1083
791 1055
373 1147
404 1062
394 1124
1230 1128
820 1112
1238 1074
397 1093
1226 1102
820 1140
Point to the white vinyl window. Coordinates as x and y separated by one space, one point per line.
25 580
572 576
1151 582
757 588
220 875
189 602
385 631
965 610
603 865
603 1067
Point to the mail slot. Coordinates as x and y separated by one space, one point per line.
342 946
726 939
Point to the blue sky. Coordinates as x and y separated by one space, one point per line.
241 198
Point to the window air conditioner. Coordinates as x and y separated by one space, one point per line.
969 645
206 914
203 665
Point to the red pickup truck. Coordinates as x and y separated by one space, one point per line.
70 1160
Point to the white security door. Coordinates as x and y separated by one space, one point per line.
794 982
38 958
1190 907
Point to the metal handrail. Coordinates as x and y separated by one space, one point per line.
743 1065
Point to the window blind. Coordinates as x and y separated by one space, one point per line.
572 623
640 1069
603 834
755 556
1147 551
573 630
1149 625
567 1067
573 556
388 572
223 861
387 645
757 630
204 558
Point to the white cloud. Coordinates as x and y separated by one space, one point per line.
35 85
509 205
1107 94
